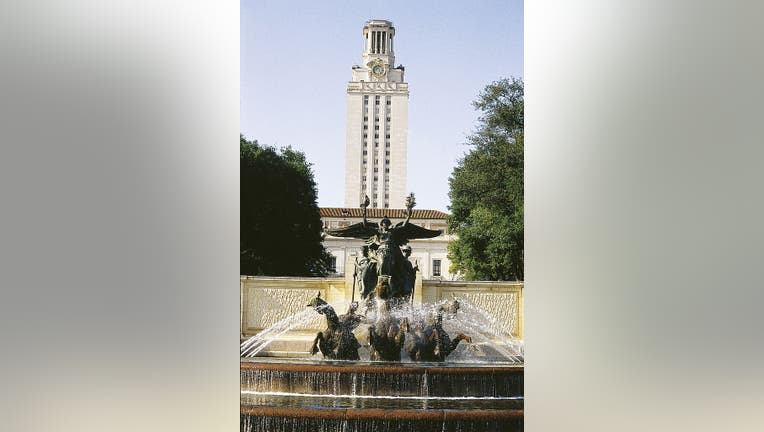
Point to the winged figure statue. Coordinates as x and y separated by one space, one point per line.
382 251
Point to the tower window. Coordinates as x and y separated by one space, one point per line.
365 127
387 170
376 127
365 118
387 136
388 118
387 153
365 135
388 102
365 152
387 144
376 135
376 119
436 267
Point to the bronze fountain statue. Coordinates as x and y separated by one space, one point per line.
387 333
337 341
428 341
382 253
386 279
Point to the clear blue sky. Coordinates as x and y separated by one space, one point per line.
295 66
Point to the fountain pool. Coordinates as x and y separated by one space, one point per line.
300 395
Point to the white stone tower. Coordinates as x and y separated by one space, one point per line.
377 123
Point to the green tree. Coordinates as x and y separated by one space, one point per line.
486 189
281 230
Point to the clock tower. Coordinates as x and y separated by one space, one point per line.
377 123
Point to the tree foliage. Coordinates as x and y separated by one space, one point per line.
486 189
281 230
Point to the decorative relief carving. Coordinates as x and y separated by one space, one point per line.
266 306
381 85
266 302
378 87
502 306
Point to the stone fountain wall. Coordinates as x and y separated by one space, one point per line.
267 300
501 300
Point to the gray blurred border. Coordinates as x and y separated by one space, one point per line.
119 233
645 166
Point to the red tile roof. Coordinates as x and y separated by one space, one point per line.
381 212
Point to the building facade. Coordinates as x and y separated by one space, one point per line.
377 123
430 254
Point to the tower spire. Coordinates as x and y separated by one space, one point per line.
378 38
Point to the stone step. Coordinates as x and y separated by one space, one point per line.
278 419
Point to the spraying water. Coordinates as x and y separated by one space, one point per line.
256 343
489 334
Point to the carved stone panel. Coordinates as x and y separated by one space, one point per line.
266 306
502 306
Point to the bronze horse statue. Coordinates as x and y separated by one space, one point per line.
337 342
428 341
387 334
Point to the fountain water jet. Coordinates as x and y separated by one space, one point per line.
252 346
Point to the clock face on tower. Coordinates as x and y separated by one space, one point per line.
378 70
